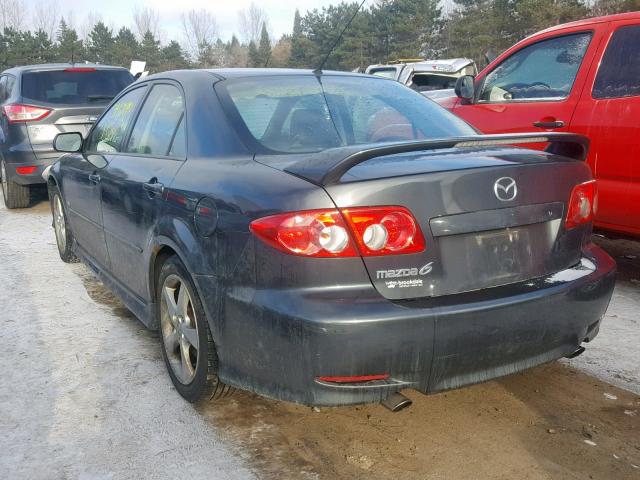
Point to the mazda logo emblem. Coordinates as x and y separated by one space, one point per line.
505 189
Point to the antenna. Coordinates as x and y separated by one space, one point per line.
318 70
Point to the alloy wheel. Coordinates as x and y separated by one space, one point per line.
59 224
179 328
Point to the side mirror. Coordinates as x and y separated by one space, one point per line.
465 88
69 142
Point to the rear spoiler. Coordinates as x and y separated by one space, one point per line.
323 169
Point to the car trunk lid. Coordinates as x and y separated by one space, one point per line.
474 238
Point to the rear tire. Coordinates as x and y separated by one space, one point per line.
14 194
64 236
187 346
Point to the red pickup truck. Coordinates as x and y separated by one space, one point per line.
581 77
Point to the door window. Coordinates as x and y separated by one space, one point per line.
157 125
545 70
3 88
108 133
619 74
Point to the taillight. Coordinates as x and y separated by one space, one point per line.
24 113
325 233
582 204
385 230
26 170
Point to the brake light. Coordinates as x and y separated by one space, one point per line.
80 69
24 113
385 230
331 233
313 233
582 204
26 170
354 379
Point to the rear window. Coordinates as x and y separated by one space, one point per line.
298 114
74 88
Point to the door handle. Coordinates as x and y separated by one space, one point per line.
153 187
94 178
552 124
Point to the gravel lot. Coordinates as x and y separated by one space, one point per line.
84 394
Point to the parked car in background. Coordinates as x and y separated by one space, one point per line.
581 77
39 101
330 238
430 77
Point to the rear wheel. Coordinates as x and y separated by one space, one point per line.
64 235
187 346
15 195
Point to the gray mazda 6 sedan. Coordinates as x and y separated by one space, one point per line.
330 238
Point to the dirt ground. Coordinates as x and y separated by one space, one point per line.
84 394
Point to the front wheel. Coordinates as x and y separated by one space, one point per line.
187 346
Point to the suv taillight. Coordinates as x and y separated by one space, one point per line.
16 112
331 233
582 204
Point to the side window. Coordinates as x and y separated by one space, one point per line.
544 70
619 74
11 81
179 143
158 122
3 88
107 135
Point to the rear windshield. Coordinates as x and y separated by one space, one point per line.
299 114
72 88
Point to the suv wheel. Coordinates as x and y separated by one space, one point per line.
64 236
187 346
15 195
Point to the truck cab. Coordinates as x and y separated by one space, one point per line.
581 77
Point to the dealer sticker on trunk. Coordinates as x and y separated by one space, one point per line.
402 276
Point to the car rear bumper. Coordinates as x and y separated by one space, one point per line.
277 343
20 158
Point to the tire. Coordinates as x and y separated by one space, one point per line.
15 195
193 368
64 236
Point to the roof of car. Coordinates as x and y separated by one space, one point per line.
58 66
230 73
591 21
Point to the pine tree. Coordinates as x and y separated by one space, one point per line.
298 44
264 50
173 57
69 48
254 56
101 44
125 47
150 52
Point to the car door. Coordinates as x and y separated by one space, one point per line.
82 174
609 114
537 86
133 184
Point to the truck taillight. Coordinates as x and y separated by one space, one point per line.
331 233
16 112
582 204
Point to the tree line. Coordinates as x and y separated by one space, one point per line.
383 31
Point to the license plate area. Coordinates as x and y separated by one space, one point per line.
500 255
473 261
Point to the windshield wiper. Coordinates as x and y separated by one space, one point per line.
93 98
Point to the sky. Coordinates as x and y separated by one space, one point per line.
117 13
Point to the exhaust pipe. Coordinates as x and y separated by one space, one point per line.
579 351
396 402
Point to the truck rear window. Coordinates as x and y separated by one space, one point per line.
63 87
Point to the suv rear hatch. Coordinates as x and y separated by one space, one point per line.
75 96
478 235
